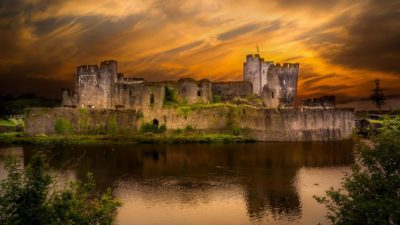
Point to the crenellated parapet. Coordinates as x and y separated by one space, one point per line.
102 86
87 70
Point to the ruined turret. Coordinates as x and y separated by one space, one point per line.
275 83
255 71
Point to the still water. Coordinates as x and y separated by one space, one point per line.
258 183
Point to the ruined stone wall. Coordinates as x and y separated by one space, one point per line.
271 92
321 102
81 121
188 90
281 88
69 98
276 84
229 90
204 91
257 123
299 125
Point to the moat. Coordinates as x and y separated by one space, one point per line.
257 183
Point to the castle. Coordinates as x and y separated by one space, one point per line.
101 86
260 107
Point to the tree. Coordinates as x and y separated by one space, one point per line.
28 197
371 194
377 96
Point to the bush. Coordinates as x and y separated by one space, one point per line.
236 130
216 98
28 197
370 195
148 127
63 126
189 128
112 127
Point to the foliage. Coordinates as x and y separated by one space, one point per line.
192 138
371 194
10 105
28 197
177 136
63 126
172 96
11 122
112 127
185 110
236 130
189 128
377 96
148 127
216 98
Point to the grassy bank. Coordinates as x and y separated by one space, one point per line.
148 138
11 122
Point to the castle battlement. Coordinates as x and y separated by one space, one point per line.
102 86
286 66
87 70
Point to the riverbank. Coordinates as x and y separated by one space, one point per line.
146 138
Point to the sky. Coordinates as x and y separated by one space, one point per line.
342 46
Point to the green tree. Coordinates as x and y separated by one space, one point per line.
371 194
28 197
377 96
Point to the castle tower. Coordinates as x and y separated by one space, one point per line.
255 71
281 88
86 84
107 76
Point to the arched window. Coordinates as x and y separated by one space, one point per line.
272 94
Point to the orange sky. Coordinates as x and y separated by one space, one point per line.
342 46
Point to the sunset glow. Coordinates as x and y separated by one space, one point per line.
342 46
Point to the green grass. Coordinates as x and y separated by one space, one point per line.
11 122
375 121
43 140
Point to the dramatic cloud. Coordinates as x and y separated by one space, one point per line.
342 46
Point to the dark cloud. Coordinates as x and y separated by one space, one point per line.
238 32
41 42
372 41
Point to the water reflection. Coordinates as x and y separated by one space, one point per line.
264 177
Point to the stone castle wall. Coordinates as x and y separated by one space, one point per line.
259 124
229 90
101 86
276 84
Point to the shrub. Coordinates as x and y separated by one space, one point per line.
370 195
63 126
189 128
216 98
148 127
161 129
28 197
112 127
236 130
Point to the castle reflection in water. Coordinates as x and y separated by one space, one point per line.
189 173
